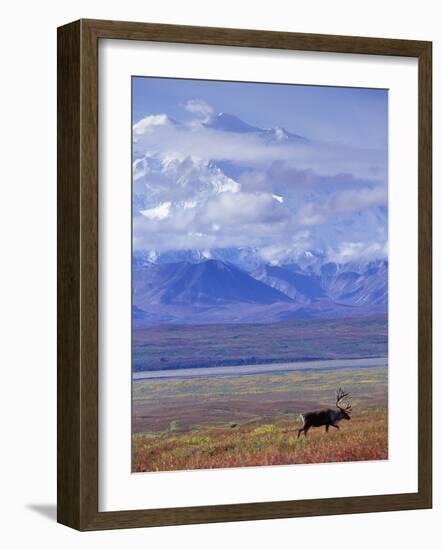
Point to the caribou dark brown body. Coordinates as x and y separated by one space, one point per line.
326 417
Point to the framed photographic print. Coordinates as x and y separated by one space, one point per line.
244 275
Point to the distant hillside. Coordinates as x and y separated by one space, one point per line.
214 291
302 287
207 283
180 346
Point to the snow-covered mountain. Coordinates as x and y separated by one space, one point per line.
225 212
225 183
188 180
230 123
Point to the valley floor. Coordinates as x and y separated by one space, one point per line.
235 421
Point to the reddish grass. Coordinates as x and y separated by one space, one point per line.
365 437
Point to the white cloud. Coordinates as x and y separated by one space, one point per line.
249 149
200 108
323 209
352 251
286 250
243 208
160 212
149 123
223 220
189 204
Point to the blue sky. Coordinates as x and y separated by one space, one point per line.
352 116
200 181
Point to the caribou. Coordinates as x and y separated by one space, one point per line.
327 417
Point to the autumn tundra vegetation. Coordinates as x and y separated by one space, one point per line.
254 420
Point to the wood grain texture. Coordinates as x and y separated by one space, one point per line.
425 274
78 274
254 38
68 276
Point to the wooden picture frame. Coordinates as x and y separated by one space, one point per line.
78 274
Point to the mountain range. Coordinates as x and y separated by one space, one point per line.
304 208
199 290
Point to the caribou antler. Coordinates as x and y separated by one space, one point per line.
340 396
